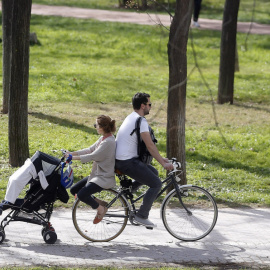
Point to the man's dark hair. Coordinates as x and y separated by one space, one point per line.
139 99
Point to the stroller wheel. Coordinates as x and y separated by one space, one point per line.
49 237
47 228
2 235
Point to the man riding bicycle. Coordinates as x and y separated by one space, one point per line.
127 158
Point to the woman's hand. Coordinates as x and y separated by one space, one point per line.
75 156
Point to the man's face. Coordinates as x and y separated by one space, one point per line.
147 107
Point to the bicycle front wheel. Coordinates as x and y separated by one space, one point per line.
111 225
192 219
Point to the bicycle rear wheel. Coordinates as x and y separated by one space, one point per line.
194 223
111 225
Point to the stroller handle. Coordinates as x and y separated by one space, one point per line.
68 159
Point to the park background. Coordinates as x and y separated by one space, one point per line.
82 68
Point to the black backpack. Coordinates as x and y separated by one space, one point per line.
143 152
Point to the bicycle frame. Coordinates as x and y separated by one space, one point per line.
169 180
188 212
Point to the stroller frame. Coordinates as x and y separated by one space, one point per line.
41 216
19 214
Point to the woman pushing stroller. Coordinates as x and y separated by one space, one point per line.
102 153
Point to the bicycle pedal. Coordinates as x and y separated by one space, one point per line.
149 228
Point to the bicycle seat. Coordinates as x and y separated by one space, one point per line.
125 182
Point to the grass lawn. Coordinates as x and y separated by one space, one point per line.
211 9
83 68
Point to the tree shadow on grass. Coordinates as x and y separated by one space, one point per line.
218 162
63 122
223 203
228 164
256 108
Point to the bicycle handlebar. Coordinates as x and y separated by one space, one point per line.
176 165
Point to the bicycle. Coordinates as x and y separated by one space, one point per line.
188 212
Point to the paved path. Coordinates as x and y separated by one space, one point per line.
138 18
240 238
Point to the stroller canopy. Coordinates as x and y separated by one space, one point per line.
44 162
40 164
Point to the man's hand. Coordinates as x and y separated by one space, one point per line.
167 165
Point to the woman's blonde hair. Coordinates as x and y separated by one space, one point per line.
106 123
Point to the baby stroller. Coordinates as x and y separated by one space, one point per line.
48 182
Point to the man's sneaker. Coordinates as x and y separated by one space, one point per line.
144 221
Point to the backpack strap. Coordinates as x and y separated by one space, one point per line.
137 125
137 129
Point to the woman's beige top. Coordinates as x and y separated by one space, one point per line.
102 152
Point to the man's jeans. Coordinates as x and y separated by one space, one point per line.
144 174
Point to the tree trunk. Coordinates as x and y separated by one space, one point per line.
236 64
227 52
7 6
177 48
18 97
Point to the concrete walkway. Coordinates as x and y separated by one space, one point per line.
138 18
241 238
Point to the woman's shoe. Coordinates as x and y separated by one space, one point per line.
100 202
99 216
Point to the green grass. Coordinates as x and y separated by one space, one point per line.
71 53
211 9
84 68
71 66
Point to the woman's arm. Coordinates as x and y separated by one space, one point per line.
76 154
